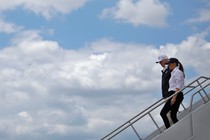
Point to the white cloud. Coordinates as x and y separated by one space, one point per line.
192 52
50 8
7 27
71 93
142 12
25 116
46 9
203 16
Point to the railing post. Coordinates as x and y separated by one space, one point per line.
183 106
135 131
155 122
202 97
191 101
203 90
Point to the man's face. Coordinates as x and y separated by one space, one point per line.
163 62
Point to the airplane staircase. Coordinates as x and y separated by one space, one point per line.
194 118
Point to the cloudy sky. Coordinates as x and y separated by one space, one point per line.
76 69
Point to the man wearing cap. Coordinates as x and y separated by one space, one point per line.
166 74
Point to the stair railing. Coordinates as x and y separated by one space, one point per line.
202 83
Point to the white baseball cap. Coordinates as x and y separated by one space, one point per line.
161 57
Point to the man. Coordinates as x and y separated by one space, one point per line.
166 74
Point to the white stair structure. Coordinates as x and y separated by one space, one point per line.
194 118
195 126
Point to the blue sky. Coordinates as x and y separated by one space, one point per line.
66 65
84 25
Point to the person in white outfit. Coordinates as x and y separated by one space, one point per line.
176 83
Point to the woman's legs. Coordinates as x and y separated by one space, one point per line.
175 107
166 108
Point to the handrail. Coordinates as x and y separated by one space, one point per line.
123 126
192 97
154 106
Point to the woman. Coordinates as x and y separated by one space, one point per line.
176 83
